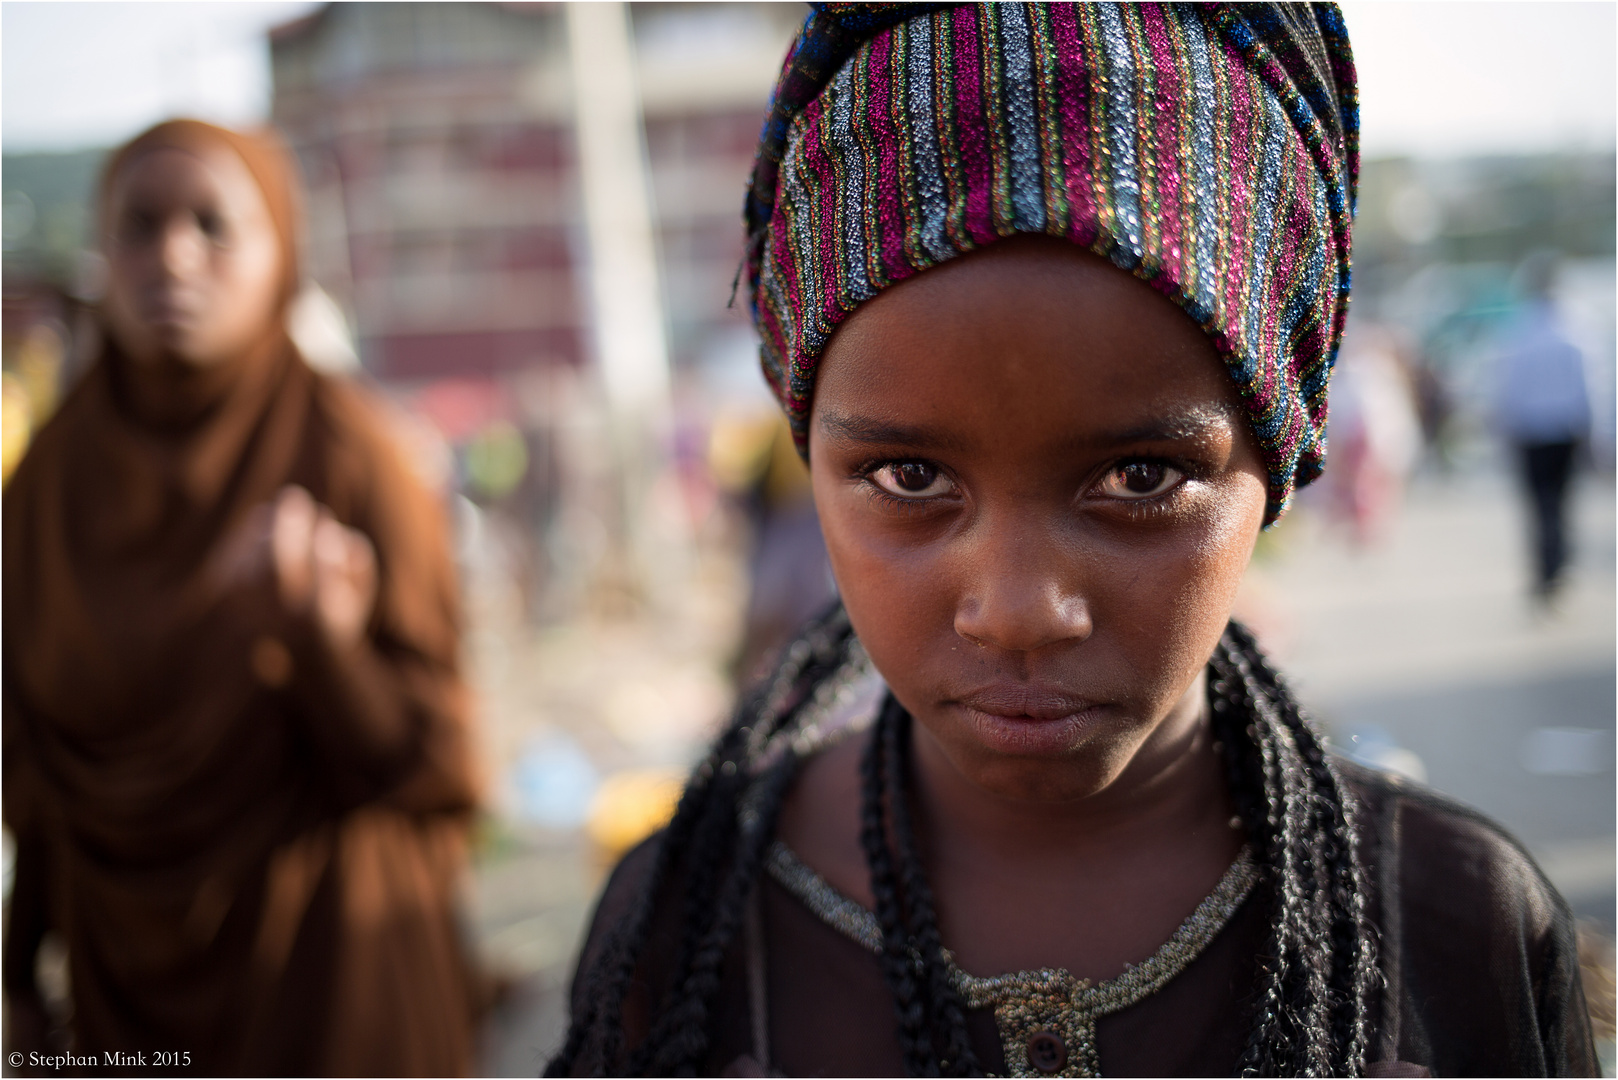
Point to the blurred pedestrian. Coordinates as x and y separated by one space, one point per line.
236 753
1375 432
1542 409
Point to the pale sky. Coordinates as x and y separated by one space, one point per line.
76 75
1466 76
1435 77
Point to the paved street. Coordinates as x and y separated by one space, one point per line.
1429 643
618 693
1424 646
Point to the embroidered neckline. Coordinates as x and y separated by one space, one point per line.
1046 999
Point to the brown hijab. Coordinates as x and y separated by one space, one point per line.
261 874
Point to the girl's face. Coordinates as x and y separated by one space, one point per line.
1039 493
193 257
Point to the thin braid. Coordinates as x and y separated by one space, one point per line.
1357 982
1280 797
1273 1037
1323 830
898 967
684 1037
1339 996
1320 978
604 985
1303 993
1280 1043
709 851
594 1043
947 1011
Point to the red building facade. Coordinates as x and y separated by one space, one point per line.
438 146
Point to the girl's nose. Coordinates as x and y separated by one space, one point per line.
182 246
1022 593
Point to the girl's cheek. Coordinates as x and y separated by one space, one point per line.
897 593
873 570
1210 567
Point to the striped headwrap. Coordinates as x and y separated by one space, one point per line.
1208 149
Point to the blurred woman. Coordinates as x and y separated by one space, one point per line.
236 749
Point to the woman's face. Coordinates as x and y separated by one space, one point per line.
193 257
1039 493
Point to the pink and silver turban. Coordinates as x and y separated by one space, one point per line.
1208 149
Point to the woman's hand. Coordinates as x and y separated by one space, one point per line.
320 568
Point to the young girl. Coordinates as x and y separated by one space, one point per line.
1050 294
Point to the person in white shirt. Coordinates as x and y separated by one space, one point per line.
1542 408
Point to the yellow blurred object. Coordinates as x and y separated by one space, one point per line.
39 366
31 385
630 806
16 426
756 449
788 478
739 448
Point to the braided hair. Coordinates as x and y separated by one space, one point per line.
713 848
1317 981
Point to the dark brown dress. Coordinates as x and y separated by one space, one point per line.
1477 950
256 870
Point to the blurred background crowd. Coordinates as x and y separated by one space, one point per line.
523 230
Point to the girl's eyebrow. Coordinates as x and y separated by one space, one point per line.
1191 423
865 429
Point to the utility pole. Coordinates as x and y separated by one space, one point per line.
625 296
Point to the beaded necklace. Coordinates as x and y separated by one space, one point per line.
1046 1017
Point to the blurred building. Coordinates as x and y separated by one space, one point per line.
438 172
438 145
705 73
446 218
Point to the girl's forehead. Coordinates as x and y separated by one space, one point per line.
1034 348
173 174
1031 311
946 409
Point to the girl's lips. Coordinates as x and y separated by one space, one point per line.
1030 735
1027 720
170 306
1024 701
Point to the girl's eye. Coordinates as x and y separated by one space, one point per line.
137 228
912 480
1140 480
212 226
